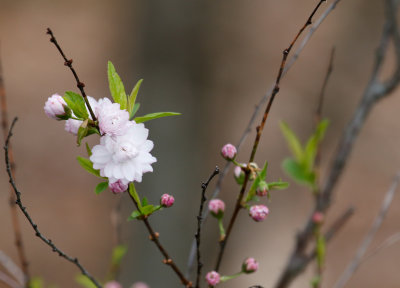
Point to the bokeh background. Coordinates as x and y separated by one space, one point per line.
212 61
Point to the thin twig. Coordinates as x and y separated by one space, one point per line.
8 264
259 129
68 62
357 260
203 199
8 281
395 238
28 217
257 109
14 210
167 259
375 90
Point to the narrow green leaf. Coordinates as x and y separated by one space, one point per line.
135 214
132 98
82 132
298 172
154 116
116 87
278 185
134 110
101 187
118 253
145 201
135 196
77 104
311 148
88 166
148 209
293 142
88 150
84 281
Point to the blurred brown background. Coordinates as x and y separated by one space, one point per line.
211 61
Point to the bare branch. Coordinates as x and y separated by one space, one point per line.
49 242
357 260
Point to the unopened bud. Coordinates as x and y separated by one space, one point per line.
318 217
258 212
250 265
228 152
213 278
56 108
118 187
262 189
217 207
238 173
167 200
112 284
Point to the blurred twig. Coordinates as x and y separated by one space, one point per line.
257 109
8 281
12 268
376 89
395 238
14 210
49 242
357 260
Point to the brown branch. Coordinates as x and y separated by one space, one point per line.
49 242
259 129
257 109
204 186
374 91
14 210
167 259
357 260
68 63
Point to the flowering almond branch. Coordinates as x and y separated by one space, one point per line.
49 242
259 130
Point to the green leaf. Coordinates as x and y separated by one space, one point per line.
145 201
116 87
134 110
135 214
101 187
132 98
118 253
84 281
133 193
88 166
82 131
320 250
261 176
154 116
88 150
36 282
278 185
293 142
77 104
311 148
298 172
147 210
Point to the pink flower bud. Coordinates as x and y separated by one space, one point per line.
118 187
250 265
217 207
318 217
72 126
54 107
258 212
213 278
229 152
239 174
167 200
262 189
112 284
139 285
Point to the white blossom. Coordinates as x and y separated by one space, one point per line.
112 120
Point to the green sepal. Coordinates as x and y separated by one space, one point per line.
293 142
298 173
135 214
152 116
261 176
132 99
101 187
88 150
145 202
88 166
82 131
67 113
134 110
77 104
116 87
84 281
